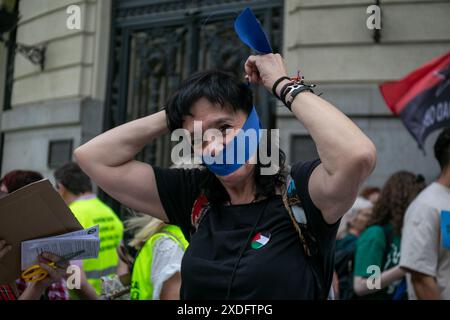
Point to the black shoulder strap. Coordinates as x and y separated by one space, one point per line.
292 202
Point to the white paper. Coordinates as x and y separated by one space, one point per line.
62 245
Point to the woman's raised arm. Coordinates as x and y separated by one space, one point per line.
108 160
347 154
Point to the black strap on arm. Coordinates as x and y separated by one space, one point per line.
275 85
309 243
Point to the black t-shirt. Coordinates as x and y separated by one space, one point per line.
278 270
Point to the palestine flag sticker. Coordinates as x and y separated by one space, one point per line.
260 240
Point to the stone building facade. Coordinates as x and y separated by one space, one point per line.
54 110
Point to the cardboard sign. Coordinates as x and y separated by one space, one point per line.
34 211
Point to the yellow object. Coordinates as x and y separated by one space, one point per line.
141 284
90 212
36 273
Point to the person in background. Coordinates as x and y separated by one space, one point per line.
51 288
360 203
379 245
156 270
371 193
356 226
7 291
425 255
345 250
17 179
75 188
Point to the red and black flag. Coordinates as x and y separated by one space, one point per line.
422 98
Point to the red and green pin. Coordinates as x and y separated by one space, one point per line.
260 240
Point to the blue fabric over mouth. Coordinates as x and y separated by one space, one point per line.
239 150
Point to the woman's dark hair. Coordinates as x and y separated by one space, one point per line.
442 148
73 178
221 88
395 197
17 179
216 86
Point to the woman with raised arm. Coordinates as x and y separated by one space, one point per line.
244 240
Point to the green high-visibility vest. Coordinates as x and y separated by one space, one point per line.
91 212
141 283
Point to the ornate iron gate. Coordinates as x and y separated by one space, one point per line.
156 44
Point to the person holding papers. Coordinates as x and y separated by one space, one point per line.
6 290
75 188
39 289
51 288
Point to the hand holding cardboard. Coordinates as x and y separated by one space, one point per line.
34 211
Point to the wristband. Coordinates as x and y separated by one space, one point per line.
297 91
292 88
283 91
275 85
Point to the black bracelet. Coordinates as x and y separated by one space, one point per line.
283 91
275 85
297 92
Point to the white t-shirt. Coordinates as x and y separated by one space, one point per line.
167 255
422 247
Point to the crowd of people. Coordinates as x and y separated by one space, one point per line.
396 228
231 232
400 232
154 272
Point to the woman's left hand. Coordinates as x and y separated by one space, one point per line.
265 69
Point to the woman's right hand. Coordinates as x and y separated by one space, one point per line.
265 70
4 248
